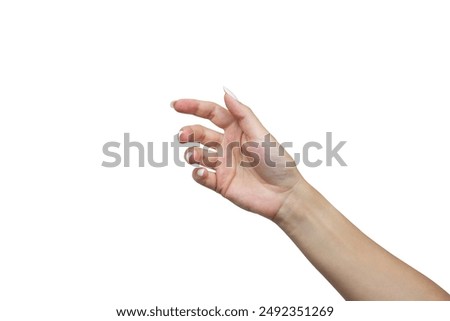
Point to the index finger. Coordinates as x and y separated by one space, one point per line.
218 115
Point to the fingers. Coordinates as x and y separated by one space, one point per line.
204 157
195 155
222 117
205 178
200 134
218 115
245 117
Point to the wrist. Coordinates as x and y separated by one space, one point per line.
302 203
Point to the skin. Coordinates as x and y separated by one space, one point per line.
356 266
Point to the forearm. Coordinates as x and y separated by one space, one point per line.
355 265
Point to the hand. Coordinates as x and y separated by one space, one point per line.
242 168
262 179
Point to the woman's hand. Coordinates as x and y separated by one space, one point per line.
246 164
251 169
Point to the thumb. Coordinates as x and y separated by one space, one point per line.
245 117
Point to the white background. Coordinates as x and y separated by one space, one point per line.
78 240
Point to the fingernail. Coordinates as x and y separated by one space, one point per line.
188 156
172 104
201 172
179 135
227 91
